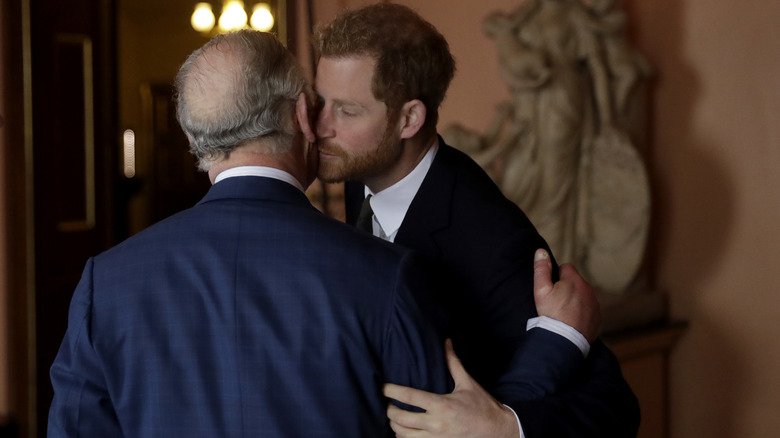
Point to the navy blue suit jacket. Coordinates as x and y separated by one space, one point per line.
479 246
250 314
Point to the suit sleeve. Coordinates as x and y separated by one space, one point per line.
81 406
542 364
414 348
552 388
599 404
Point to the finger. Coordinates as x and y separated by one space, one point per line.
542 272
459 374
410 396
405 419
403 432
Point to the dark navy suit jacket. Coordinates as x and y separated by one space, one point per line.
248 315
479 246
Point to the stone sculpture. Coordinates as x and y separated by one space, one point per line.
560 148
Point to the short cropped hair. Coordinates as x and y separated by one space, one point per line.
413 60
249 95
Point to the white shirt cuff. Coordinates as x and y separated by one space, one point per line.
562 329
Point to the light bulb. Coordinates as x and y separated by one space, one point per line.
262 19
233 16
202 19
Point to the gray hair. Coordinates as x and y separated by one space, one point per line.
238 87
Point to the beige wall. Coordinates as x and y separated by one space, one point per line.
714 161
717 189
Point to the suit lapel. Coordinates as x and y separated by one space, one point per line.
430 210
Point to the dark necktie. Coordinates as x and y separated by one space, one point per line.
365 218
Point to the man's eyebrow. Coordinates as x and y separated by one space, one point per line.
341 102
348 102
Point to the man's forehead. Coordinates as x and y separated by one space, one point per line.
364 61
342 68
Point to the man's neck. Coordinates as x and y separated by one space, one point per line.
253 155
412 152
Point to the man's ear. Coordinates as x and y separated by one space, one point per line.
412 118
302 112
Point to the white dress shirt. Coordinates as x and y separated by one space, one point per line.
269 172
391 204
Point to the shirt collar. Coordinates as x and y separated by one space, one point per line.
268 172
391 204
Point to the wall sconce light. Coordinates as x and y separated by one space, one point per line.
233 17
203 18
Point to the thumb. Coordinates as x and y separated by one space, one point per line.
458 373
567 271
542 274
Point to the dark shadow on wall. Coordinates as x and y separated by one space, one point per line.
692 196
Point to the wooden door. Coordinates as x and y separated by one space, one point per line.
74 161
174 182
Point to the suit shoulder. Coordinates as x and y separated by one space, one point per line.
475 198
362 242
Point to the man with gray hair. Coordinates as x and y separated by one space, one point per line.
250 314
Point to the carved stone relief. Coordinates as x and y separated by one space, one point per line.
564 146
